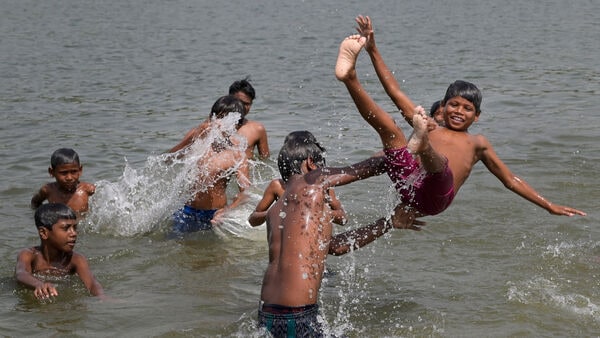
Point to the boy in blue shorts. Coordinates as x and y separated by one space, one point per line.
223 160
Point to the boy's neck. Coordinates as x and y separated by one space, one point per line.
65 191
52 255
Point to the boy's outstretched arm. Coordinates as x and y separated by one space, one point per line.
386 77
359 171
518 185
190 137
351 240
23 274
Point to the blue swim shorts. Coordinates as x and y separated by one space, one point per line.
188 219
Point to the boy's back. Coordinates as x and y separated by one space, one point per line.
298 234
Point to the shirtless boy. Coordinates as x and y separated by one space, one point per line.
57 228
447 154
277 186
216 168
299 234
253 131
66 170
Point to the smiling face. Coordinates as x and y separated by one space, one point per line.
67 176
63 235
459 113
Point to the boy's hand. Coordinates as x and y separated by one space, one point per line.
365 28
561 210
218 217
45 291
405 218
431 124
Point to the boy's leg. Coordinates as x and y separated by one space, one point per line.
391 135
418 144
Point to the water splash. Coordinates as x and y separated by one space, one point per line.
143 199
540 290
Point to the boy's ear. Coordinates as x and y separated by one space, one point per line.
51 171
43 231
310 164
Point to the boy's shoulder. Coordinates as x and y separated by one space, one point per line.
50 187
252 125
276 185
29 254
30 250
87 187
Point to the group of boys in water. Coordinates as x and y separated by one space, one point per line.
427 169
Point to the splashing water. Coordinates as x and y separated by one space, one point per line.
143 200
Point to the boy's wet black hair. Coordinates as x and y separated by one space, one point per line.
466 90
297 147
243 86
48 214
434 107
227 104
63 156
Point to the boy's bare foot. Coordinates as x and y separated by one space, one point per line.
349 49
419 141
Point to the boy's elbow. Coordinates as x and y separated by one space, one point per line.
253 221
512 183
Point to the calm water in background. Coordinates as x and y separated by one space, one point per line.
122 81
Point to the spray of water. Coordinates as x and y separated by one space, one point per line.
143 199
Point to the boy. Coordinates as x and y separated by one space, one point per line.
57 228
222 161
253 131
446 154
299 234
436 112
66 170
277 186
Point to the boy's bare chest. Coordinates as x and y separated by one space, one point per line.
60 266
454 144
59 196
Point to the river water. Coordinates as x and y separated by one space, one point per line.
122 81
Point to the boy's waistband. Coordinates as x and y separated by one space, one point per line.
283 310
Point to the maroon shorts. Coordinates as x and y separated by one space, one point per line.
428 193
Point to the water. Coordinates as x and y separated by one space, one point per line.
121 82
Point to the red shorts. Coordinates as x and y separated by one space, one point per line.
428 193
